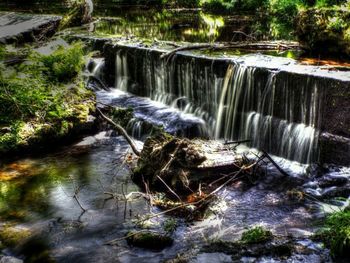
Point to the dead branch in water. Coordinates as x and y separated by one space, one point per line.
122 132
267 156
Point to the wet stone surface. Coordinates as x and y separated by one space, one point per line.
20 27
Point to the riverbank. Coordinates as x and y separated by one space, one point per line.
45 101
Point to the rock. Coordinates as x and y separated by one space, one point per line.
335 191
311 185
8 259
335 148
275 248
332 180
149 240
313 192
20 27
212 258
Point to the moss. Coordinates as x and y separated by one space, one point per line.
256 235
11 236
149 240
122 116
239 249
170 225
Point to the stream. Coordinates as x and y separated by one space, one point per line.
194 95
36 195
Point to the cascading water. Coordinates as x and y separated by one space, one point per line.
277 112
171 83
268 114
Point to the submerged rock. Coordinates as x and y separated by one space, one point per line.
333 180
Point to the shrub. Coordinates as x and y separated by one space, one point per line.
63 64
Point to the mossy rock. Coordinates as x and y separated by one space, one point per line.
122 116
11 236
238 249
149 240
325 30
256 235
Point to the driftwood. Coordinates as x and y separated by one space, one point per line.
122 132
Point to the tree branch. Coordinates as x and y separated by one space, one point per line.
122 132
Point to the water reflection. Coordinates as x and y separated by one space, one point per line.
194 26
33 189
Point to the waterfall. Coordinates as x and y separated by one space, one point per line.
274 114
278 112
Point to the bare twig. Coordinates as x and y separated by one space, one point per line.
266 155
168 187
75 196
123 132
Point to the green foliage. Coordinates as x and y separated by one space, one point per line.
218 5
325 30
327 3
336 233
256 235
253 4
9 140
186 3
285 8
63 64
2 52
37 92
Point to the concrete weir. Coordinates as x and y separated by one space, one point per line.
299 112
19 27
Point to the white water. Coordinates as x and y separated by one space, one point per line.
278 112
